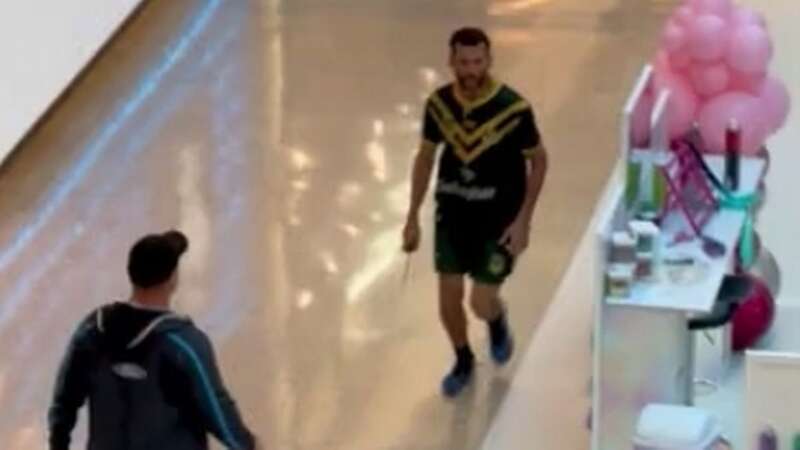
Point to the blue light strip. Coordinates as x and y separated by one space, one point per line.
100 143
99 146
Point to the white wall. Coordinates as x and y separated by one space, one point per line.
779 223
44 44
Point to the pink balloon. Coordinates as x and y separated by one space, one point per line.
747 82
661 62
710 79
683 16
708 38
744 15
720 8
715 116
674 37
776 102
679 60
683 102
750 50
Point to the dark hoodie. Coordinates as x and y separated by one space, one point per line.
151 381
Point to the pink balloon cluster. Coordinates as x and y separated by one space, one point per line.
714 58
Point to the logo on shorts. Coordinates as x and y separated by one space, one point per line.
497 264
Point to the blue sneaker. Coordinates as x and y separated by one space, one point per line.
501 341
455 381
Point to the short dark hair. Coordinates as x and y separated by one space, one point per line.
154 258
469 37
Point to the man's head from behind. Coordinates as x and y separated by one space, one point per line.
153 262
470 57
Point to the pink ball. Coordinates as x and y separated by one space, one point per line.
673 37
708 38
721 8
710 79
750 50
715 116
775 101
744 15
683 102
754 316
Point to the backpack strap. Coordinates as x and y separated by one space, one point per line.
152 326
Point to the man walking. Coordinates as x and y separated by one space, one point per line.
491 171
149 375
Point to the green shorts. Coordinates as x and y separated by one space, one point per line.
459 251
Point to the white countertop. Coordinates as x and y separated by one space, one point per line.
725 226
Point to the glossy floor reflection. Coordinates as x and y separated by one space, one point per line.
279 136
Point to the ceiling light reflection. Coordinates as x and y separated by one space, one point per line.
429 76
510 37
351 230
196 223
300 185
300 160
509 7
304 299
329 262
382 253
376 154
362 336
378 128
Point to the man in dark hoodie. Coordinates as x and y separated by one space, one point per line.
149 375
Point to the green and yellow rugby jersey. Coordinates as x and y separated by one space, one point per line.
482 170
